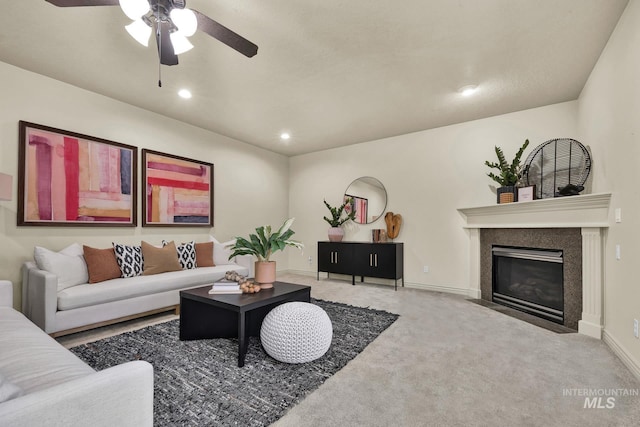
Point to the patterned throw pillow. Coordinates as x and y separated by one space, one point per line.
129 259
186 254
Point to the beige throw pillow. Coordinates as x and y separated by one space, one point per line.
101 263
204 254
160 260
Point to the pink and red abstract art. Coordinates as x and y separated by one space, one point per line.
73 179
178 191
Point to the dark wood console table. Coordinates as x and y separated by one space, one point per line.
381 260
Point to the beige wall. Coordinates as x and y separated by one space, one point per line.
428 175
609 118
250 187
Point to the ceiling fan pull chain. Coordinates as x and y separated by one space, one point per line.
159 32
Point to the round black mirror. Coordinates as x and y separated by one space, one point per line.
368 199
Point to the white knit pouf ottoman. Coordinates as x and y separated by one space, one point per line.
296 332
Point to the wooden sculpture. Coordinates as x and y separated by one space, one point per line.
394 221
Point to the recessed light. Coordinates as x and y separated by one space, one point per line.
468 90
184 93
285 136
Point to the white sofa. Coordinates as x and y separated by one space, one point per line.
85 306
42 383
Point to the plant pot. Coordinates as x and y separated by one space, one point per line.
336 234
508 194
265 272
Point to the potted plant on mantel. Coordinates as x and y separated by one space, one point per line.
336 233
262 245
510 174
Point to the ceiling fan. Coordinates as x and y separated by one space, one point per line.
172 23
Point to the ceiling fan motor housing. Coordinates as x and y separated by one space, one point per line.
164 7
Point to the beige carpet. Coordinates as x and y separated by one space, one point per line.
450 362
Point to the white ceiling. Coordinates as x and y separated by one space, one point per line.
331 72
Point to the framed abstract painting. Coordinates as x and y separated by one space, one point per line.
177 191
69 179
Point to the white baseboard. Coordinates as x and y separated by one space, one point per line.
626 358
300 272
435 288
438 288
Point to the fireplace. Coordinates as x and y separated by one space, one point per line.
529 280
576 225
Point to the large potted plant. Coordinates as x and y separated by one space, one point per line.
509 174
336 233
262 245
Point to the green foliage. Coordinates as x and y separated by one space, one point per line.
336 213
510 174
264 243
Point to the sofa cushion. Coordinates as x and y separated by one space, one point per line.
8 390
120 289
160 260
101 264
129 259
47 364
186 254
220 251
204 254
68 264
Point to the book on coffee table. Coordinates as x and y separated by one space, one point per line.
225 287
214 291
226 284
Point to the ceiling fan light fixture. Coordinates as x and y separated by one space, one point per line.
180 43
140 31
185 20
134 9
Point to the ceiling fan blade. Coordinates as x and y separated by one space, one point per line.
165 47
74 3
225 35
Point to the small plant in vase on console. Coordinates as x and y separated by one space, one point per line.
336 233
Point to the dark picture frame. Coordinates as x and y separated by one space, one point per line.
70 179
176 191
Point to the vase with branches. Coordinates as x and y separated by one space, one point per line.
509 174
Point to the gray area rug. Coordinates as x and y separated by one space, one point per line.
198 383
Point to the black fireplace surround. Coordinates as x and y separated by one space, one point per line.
529 280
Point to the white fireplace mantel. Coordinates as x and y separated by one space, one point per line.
589 212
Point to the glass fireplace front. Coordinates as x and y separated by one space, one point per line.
530 280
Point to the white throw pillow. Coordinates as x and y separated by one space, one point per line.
8 390
68 265
220 251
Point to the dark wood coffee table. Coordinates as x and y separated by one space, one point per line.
205 316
